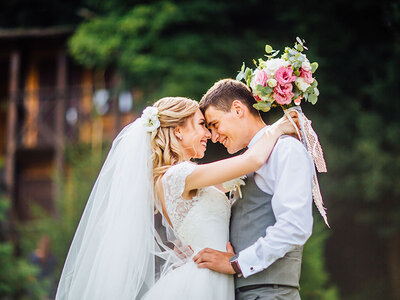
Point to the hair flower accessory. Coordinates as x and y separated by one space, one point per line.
150 118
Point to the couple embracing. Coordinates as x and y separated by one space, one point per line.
209 246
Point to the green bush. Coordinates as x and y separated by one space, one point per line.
314 278
18 277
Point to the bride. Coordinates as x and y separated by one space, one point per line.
119 251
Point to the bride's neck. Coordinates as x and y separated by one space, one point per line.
187 155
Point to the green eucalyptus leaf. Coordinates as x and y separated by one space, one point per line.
242 68
248 73
259 87
310 90
314 84
268 49
299 47
275 53
263 106
299 41
314 67
267 89
240 76
297 64
312 98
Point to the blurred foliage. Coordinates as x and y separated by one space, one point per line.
314 281
18 277
165 47
84 164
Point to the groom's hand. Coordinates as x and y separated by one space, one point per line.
216 260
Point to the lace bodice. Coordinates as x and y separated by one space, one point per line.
202 221
174 185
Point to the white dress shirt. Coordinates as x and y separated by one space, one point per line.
287 176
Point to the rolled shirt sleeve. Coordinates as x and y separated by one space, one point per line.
288 177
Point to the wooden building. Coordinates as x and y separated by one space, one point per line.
46 102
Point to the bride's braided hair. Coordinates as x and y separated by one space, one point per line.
166 152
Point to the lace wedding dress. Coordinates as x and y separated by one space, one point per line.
200 222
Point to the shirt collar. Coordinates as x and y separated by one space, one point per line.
256 137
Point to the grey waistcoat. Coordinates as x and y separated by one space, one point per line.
250 217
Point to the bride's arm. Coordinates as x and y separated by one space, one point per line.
220 171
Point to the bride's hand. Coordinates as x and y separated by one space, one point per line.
286 127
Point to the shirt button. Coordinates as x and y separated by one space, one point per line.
251 268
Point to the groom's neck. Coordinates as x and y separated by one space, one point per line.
254 126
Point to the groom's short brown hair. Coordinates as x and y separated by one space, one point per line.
224 92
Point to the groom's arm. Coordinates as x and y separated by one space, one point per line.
291 169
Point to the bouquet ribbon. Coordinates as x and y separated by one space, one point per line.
310 140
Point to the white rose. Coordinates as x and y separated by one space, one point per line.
306 65
301 84
150 118
150 111
272 65
272 82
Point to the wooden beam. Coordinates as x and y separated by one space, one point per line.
86 106
116 82
31 105
36 32
60 118
12 122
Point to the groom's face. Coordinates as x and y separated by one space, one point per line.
226 128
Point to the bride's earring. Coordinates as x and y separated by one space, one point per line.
179 138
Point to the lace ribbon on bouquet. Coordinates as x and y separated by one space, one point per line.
311 142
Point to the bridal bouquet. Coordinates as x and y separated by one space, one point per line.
286 81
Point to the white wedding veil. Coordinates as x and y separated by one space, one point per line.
116 249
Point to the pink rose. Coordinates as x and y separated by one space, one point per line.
261 77
306 74
285 88
283 94
283 99
284 75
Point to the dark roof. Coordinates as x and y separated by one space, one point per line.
21 33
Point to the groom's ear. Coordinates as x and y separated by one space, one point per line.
238 108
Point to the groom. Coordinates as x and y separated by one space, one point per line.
273 220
